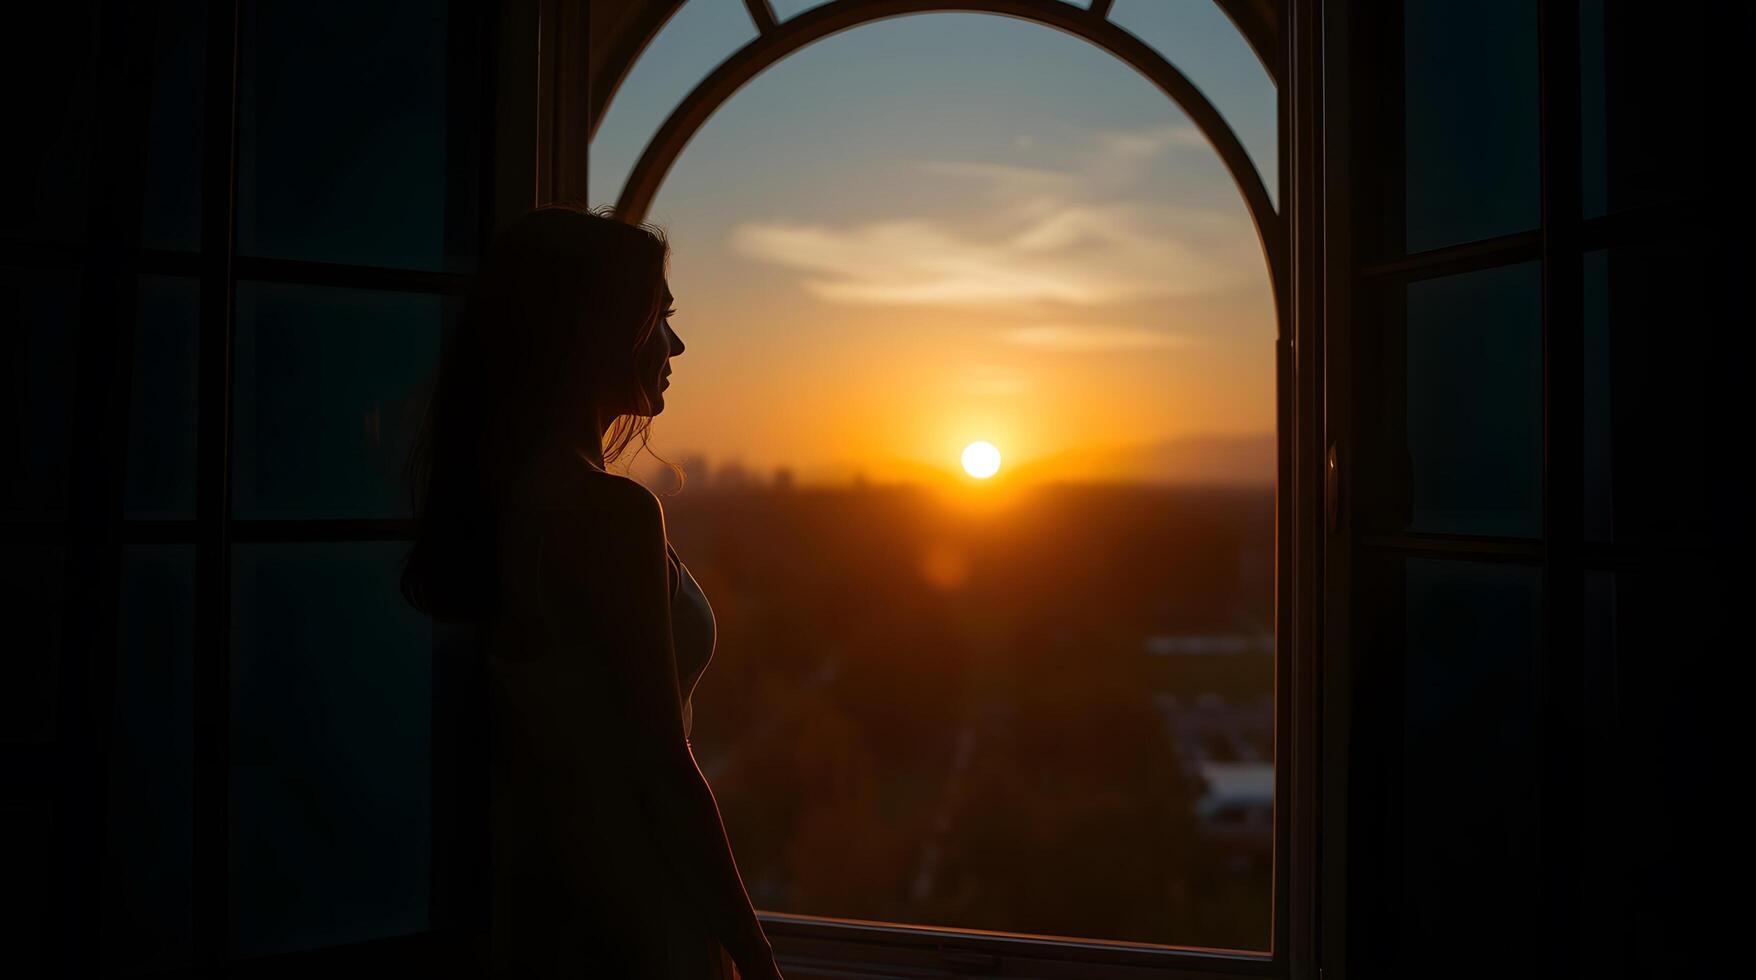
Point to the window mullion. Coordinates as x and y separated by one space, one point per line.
1511 249
260 269
212 667
1561 793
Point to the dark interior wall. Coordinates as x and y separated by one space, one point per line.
232 238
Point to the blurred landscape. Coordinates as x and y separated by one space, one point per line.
1038 708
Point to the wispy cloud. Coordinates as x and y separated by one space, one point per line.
1040 239
994 380
1073 338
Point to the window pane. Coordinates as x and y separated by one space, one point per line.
1065 730
349 148
47 164
40 308
30 600
1599 509
171 206
1470 72
162 421
1648 450
1203 43
1032 698
698 37
1474 402
1470 758
330 754
151 764
1643 129
791 8
330 386
1593 126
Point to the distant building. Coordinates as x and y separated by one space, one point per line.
1209 644
1227 749
696 475
1237 802
732 476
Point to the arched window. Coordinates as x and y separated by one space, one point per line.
967 720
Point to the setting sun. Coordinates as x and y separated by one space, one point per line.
981 460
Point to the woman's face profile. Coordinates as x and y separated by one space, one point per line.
652 361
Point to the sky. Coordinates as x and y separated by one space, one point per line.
945 228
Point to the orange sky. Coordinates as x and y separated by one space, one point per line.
901 241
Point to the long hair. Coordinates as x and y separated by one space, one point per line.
561 302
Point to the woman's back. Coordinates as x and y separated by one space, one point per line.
582 887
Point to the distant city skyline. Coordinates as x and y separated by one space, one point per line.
947 228
1242 461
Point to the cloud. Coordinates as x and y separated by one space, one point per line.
1072 338
1038 240
994 380
917 263
1073 255
1150 140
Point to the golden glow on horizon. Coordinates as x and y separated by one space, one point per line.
981 460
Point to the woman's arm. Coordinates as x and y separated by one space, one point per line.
604 586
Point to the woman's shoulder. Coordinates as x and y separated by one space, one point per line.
566 487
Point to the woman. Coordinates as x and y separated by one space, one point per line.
609 858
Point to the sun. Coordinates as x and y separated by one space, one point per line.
981 459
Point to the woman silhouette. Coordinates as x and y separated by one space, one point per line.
609 858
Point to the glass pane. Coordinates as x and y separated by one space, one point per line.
30 600
698 37
350 147
1471 758
1470 72
40 308
1649 452
1474 402
171 206
1593 124
1599 511
162 420
330 386
1202 42
47 164
790 8
151 764
1644 130
330 753
1066 271
1051 717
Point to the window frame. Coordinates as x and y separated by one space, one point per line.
816 946
1364 261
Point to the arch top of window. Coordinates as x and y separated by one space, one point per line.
783 9
1222 46
676 84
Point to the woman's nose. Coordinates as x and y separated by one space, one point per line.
676 343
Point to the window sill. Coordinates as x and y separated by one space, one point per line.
809 948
